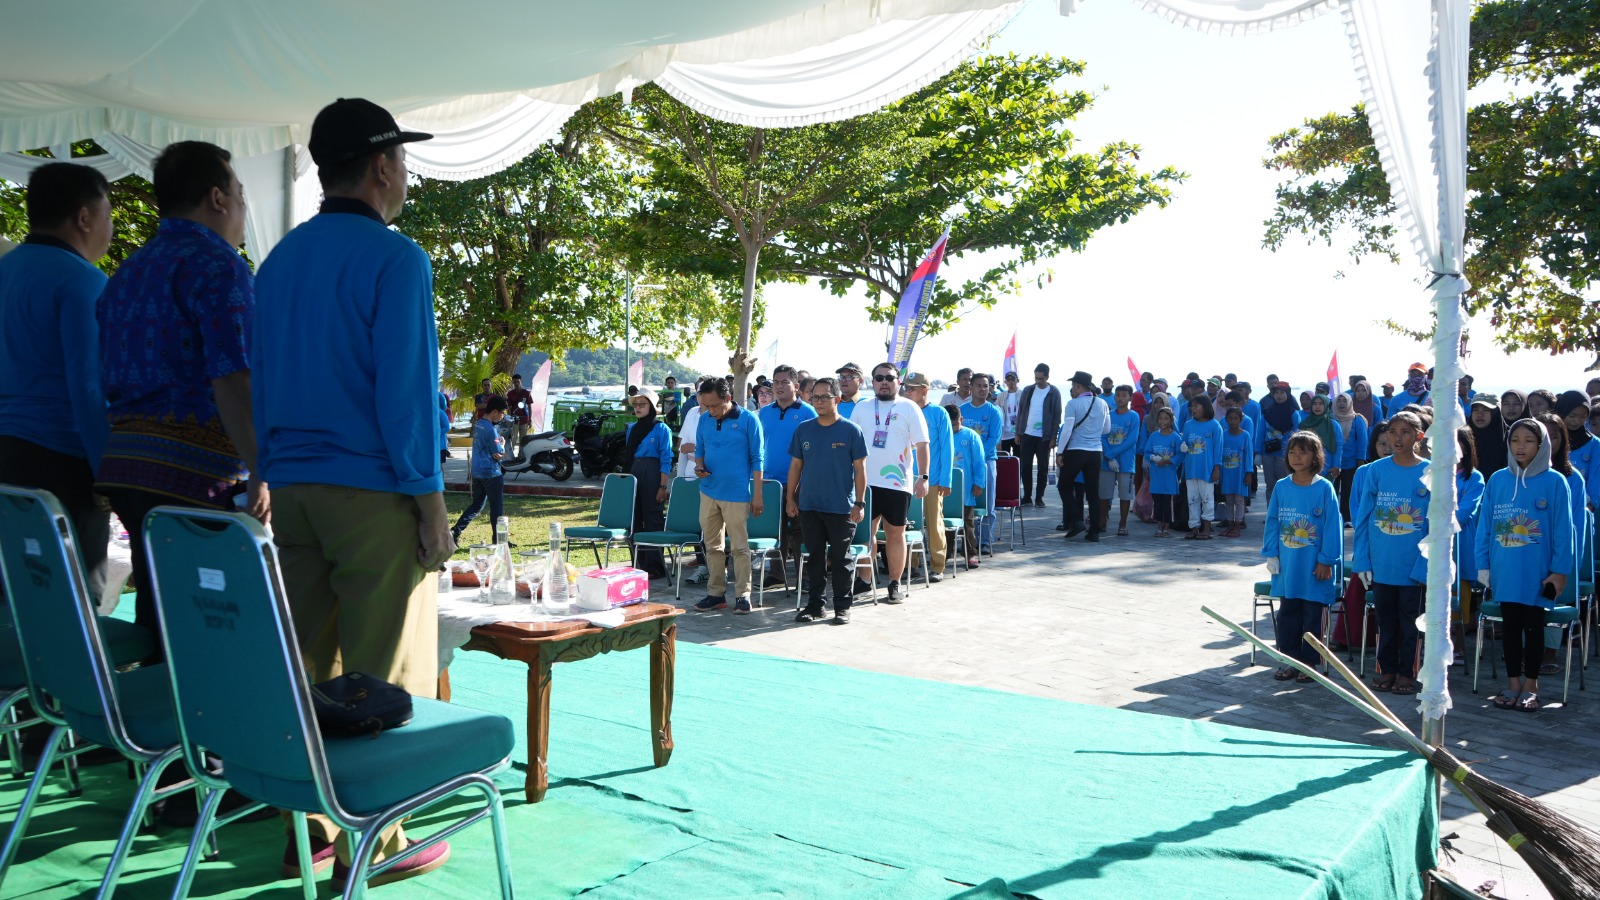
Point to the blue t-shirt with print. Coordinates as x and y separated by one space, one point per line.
827 455
1120 442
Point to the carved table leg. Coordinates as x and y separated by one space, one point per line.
663 657
538 728
444 685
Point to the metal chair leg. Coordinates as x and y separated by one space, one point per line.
19 822
202 836
142 799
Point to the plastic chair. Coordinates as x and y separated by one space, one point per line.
615 521
955 531
682 527
259 721
14 690
1564 618
861 547
766 535
1008 495
1263 596
916 541
68 654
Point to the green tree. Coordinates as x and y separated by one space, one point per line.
524 255
1533 177
464 369
997 166
133 210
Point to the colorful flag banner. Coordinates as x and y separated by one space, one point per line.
769 357
914 305
538 402
636 373
1334 384
1008 366
1133 372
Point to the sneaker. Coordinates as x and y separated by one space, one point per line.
421 864
773 579
861 589
987 550
1092 537
935 578
711 603
972 562
1039 504
807 615
321 857
841 617
894 593
697 576
742 607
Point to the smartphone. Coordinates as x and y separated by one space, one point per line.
1548 591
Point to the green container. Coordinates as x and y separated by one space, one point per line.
564 414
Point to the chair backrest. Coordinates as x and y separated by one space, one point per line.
234 661
770 523
915 511
56 624
616 501
683 506
958 491
864 533
1008 480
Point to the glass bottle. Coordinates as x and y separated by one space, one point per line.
502 577
557 592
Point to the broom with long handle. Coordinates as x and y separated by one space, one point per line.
1560 851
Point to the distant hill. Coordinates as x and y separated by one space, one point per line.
606 366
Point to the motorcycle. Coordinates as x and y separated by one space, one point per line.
597 453
546 453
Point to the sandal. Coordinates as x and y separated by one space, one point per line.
1192 536
1383 684
1506 699
1303 678
1529 703
1550 669
1122 532
1284 674
1408 686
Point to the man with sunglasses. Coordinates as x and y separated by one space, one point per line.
849 388
897 437
826 491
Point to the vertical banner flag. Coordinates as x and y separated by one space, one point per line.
636 373
1134 373
540 395
914 305
769 357
1008 366
1335 386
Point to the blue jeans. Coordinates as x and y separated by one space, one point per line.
484 490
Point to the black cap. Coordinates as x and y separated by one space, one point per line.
849 367
1083 378
348 128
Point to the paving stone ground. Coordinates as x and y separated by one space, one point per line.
1119 624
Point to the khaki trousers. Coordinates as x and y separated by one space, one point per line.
721 519
933 529
359 598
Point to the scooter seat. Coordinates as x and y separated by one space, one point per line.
543 435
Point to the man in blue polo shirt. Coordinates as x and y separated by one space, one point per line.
941 458
779 419
358 508
728 459
52 413
985 418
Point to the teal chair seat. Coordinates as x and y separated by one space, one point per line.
761 544
593 533
1263 588
952 524
125 643
1561 615
913 535
146 697
371 774
667 538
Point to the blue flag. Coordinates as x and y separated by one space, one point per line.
914 305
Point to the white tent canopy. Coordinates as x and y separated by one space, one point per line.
496 78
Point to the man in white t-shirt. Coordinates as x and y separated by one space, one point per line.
1038 420
960 391
1008 404
897 436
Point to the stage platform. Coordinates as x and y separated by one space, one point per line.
795 779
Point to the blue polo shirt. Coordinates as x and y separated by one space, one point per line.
941 445
777 427
50 349
987 421
731 449
344 316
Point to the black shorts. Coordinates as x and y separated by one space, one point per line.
891 505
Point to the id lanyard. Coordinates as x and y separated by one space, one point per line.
880 435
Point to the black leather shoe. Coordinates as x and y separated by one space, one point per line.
1092 537
1074 530
806 615
842 617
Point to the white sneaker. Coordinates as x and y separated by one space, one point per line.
697 575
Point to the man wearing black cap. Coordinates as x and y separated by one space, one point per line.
1083 421
358 512
850 376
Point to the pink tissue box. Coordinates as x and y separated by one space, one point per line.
612 587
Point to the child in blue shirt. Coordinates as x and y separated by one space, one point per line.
1118 452
1163 456
488 480
1202 466
1524 552
1391 519
1303 541
968 455
1238 461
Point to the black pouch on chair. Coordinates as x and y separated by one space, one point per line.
357 703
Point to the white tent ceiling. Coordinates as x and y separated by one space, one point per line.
494 78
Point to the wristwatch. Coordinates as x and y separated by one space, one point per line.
922 478
858 505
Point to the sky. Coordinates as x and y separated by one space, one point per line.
1188 287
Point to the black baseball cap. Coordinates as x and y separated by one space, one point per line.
350 127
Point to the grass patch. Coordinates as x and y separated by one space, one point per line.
530 518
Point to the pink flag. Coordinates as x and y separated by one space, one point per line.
1133 370
540 391
1008 366
1334 384
636 373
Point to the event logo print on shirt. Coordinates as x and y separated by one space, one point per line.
1298 533
1232 459
895 474
1117 434
1397 518
1518 530
1163 456
1197 445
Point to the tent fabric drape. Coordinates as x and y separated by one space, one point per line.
490 145
1236 16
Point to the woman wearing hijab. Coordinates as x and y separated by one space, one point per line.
1305 401
1513 408
1353 435
1319 422
1277 423
1540 402
1572 407
1488 434
1366 407
650 450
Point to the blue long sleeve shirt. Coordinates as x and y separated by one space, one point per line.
777 429
1302 530
341 295
1238 460
657 445
967 455
1353 450
940 452
1252 413
1331 456
987 420
1524 535
1205 448
1120 442
1586 459
1390 508
486 442
1469 498
444 422
50 349
731 449
1164 461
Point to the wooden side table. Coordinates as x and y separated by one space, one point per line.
542 644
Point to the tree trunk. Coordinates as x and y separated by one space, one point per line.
509 354
740 362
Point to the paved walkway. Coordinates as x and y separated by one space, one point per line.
1119 624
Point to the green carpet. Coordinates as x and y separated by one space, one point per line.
803 780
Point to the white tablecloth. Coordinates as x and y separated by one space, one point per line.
459 613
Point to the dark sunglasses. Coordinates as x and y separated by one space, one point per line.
884 377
